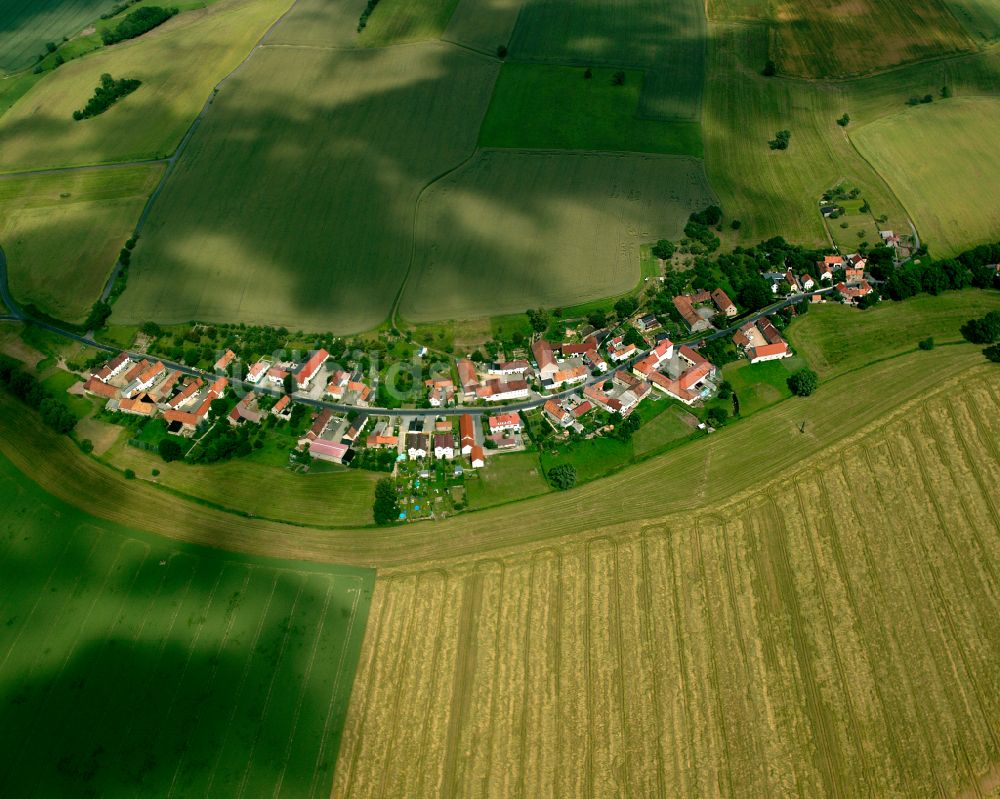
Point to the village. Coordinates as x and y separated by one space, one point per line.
582 387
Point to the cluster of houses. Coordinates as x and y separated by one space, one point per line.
148 389
761 341
852 288
698 309
440 444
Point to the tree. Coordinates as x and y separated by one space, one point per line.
736 224
56 415
618 79
926 343
946 92
563 477
664 249
982 331
170 450
717 416
87 446
626 306
993 353
218 407
502 52
780 140
286 383
588 73
770 70
129 474
386 506
626 427
539 319
844 121
597 318
803 383
725 390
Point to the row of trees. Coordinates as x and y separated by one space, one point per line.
985 330
109 92
137 23
973 268
26 388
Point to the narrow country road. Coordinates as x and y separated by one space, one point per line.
15 313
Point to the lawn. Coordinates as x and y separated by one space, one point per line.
817 39
663 424
758 385
178 64
932 156
136 664
399 21
557 108
623 33
853 227
506 478
258 486
520 229
29 24
309 223
835 339
592 458
62 233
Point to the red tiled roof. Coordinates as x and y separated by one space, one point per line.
96 386
281 404
722 300
467 430
309 369
477 454
467 373
225 360
767 349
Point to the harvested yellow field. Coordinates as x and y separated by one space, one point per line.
830 632
838 38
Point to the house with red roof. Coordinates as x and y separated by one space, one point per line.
557 413
333 451
723 303
257 371
188 395
545 358
503 422
98 387
509 367
467 377
467 432
113 368
444 446
282 408
477 457
497 390
223 363
311 368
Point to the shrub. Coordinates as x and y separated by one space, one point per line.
618 79
780 140
844 121
562 477
717 416
109 92
927 343
502 52
993 353
170 450
155 472
770 70
137 23
129 474
87 446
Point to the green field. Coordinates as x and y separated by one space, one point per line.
400 21
556 108
623 33
320 23
934 159
507 214
130 664
506 478
665 425
835 339
759 385
62 233
178 65
27 25
483 24
310 225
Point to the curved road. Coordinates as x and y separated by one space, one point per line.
16 313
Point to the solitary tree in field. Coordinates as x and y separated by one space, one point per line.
945 92
803 383
563 477
769 69
780 140
618 79
927 343
844 121
502 52
588 73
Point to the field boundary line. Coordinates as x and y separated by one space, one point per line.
251 653
99 167
270 685
230 623
853 731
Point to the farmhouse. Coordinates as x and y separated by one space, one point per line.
283 408
557 413
467 432
594 360
257 371
354 430
311 368
477 457
619 351
575 374
647 323
245 410
502 441
852 294
186 422
570 350
504 421
223 363
333 451
582 409
99 388
467 377
141 405
161 391
602 400
320 421
723 303
276 375
497 390
545 358
112 368
509 367
684 303
828 266
188 395
441 391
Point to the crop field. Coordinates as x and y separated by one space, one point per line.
828 633
516 229
178 65
400 21
29 24
483 24
623 33
819 38
933 158
309 223
820 338
131 664
556 108
62 233
981 18
320 23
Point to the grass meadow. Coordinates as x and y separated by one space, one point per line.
29 24
934 159
401 21
515 229
131 664
62 233
307 171
636 659
483 24
556 108
178 64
